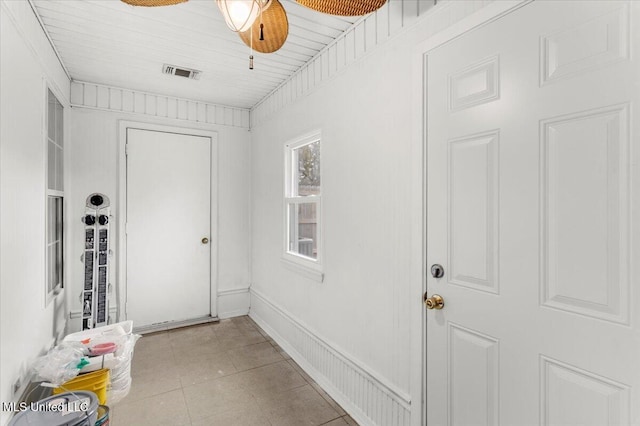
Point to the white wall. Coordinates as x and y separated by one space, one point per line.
359 320
93 167
362 307
27 326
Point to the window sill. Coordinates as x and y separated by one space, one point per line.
312 273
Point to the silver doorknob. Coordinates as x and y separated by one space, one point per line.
205 240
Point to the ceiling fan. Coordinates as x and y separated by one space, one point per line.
263 25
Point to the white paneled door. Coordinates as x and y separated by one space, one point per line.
534 215
168 227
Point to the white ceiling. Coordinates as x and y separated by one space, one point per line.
111 43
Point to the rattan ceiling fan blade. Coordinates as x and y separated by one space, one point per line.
152 3
276 29
343 7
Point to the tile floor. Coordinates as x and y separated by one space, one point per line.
229 373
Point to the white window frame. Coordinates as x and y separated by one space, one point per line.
50 294
310 267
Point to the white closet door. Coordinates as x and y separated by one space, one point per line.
168 227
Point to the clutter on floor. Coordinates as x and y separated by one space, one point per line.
88 372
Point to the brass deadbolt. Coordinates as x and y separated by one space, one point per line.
205 240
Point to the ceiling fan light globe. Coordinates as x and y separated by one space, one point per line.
239 14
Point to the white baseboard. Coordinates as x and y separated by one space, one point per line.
362 393
233 303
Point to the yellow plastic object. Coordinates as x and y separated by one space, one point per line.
96 382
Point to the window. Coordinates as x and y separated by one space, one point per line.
55 196
303 196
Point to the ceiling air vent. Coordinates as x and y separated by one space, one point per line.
181 71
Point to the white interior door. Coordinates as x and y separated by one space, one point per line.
534 214
168 227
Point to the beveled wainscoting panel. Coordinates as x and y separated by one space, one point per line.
475 85
473 186
473 375
115 99
585 223
365 396
592 44
572 396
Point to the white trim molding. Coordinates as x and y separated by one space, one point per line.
121 203
368 398
233 302
116 99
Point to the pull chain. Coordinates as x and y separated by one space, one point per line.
251 47
261 25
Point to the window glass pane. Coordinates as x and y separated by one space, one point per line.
293 228
51 165
51 220
50 268
59 124
59 169
58 220
307 158
55 256
58 271
303 229
51 116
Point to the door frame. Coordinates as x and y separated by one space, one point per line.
121 219
419 267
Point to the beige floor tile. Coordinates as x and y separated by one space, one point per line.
273 378
192 337
201 369
228 341
297 407
233 330
248 416
155 345
229 373
281 351
244 322
194 330
153 383
147 363
300 371
216 397
192 349
167 409
247 357
337 422
224 324
260 330
278 377
330 400
161 337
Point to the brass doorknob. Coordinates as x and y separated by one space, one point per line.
434 302
205 240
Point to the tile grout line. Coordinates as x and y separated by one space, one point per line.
284 357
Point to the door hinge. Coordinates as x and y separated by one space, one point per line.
126 149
